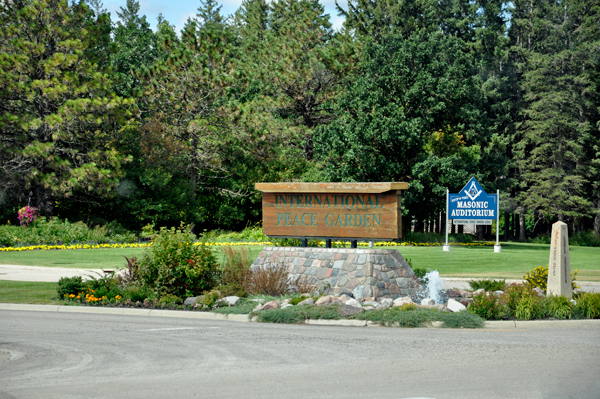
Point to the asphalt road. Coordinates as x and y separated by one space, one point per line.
63 355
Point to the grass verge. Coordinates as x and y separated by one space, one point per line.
28 292
471 262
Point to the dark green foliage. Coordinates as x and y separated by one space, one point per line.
462 320
513 295
588 305
137 293
176 265
104 285
70 286
297 314
400 318
170 300
488 285
59 232
487 306
559 307
243 307
584 239
530 308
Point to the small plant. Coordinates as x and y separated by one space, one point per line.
588 305
559 307
488 285
132 273
487 306
210 298
538 277
137 293
70 286
169 300
530 308
407 306
272 280
513 295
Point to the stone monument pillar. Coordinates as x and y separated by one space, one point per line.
559 267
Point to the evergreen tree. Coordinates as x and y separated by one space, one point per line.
552 40
58 118
135 48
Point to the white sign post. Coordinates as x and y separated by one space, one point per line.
498 247
446 245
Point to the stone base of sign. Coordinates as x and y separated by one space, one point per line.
497 248
377 273
446 248
559 266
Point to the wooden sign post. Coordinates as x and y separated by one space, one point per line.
332 210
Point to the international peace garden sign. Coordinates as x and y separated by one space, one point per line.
332 210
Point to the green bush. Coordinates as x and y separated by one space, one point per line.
538 277
210 298
175 265
169 300
461 320
297 314
487 306
559 307
488 285
585 239
70 285
137 293
588 305
104 285
56 231
530 308
513 294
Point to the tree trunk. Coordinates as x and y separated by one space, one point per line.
522 227
506 225
597 218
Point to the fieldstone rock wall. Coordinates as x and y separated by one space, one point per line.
366 273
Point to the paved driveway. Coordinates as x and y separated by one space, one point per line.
64 355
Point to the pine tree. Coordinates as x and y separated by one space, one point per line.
560 114
58 118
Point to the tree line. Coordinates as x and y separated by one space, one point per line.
108 117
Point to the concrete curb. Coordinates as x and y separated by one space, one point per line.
489 325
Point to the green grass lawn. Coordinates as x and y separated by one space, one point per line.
513 262
28 292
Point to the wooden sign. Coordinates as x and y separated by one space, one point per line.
332 210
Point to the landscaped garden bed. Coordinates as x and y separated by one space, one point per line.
176 274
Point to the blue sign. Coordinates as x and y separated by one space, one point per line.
472 202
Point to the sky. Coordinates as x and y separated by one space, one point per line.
178 11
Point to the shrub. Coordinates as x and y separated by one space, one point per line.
559 307
104 286
538 277
272 280
461 320
56 231
513 295
174 265
530 308
487 306
588 305
585 238
210 298
70 286
400 318
488 285
297 314
137 293
170 299
235 273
